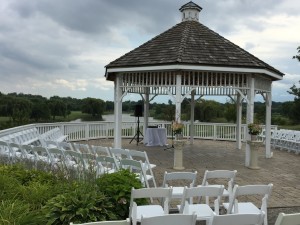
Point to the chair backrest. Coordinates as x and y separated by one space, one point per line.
160 193
40 151
100 150
51 144
106 164
176 176
135 167
119 153
288 219
114 222
202 191
238 219
57 156
262 190
83 148
65 146
228 175
172 219
16 150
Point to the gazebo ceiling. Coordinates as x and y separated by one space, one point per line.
190 43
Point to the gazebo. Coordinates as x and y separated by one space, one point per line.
191 60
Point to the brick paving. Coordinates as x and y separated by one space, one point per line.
283 169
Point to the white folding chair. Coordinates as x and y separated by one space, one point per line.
172 179
106 164
83 148
136 212
113 222
16 151
238 219
202 210
220 176
6 151
119 153
51 144
288 219
236 207
57 158
100 150
41 155
65 146
142 156
171 219
74 161
28 152
137 168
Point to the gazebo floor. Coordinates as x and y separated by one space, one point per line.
283 169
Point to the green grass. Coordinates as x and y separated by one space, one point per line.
4 119
290 127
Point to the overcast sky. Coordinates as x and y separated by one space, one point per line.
60 47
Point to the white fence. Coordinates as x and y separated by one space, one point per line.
94 130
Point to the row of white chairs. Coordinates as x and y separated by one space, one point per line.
284 140
82 157
33 137
231 219
192 202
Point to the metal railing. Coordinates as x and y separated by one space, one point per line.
94 130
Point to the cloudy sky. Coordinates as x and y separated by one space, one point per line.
60 47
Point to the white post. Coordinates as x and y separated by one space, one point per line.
178 98
269 152
192 117
118 112
146 110
239 121
250 116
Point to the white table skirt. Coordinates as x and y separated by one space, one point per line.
155 137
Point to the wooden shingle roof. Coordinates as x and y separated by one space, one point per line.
190 43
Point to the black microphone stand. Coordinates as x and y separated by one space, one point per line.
172 138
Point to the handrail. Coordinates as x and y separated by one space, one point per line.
102 129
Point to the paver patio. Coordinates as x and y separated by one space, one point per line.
283 170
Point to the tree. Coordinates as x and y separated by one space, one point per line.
57 108
40 110
297 56
20 110
93 106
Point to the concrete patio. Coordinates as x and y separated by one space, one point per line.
283 170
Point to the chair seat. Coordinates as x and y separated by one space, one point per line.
149 211
203 211
245 207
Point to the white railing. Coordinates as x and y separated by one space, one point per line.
94 130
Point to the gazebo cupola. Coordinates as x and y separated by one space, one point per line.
190 11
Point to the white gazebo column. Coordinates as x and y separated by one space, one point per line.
118 112
192 117
269 153
146 109
178 99
238 121
250 115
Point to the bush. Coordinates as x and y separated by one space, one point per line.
118 187
84 204
17 212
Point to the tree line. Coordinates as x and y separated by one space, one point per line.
25 108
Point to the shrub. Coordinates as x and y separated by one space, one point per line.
118 187
17 212
84 204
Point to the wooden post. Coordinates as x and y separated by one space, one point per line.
250 115
118 112
238 121
269 152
